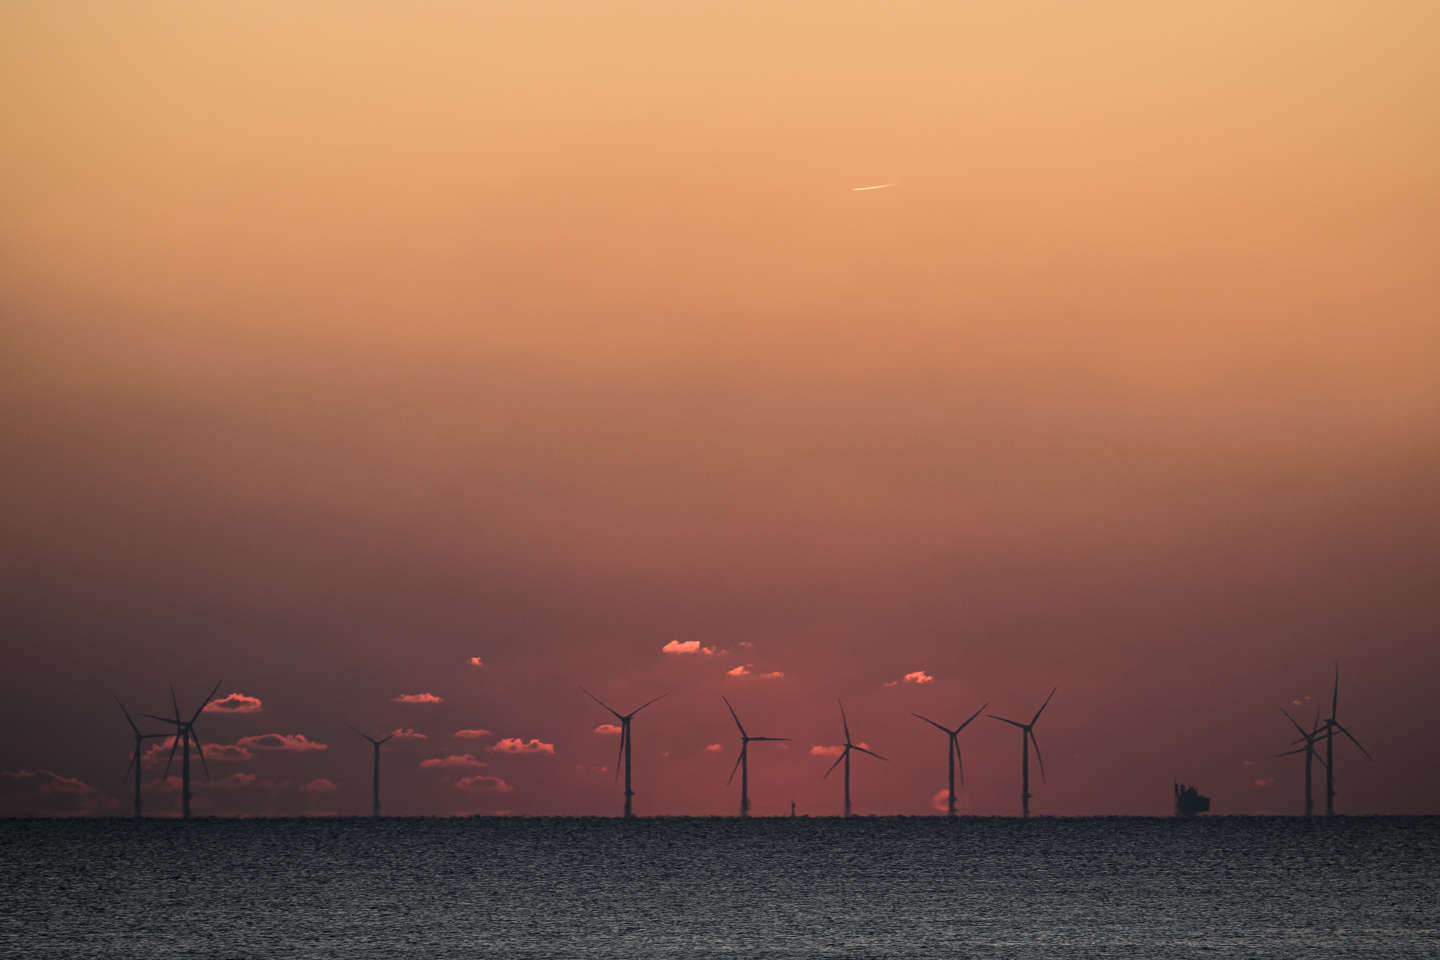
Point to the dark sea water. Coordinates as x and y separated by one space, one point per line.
894 887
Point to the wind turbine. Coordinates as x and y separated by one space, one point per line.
1027 737
625 742
140 739
952 752
1329 727
1308 750
184 733
375 777
845 756
742 762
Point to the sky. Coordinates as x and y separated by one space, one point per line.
346 342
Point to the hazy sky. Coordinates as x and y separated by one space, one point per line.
346 341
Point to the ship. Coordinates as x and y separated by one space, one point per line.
1189 802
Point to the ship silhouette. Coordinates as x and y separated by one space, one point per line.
1189 802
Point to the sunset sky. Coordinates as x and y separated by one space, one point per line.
346 341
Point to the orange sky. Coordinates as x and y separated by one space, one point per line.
344 341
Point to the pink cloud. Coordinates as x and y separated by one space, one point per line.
713 748
292 742
476 662
227 752
318 785
1247 763
417 698
475 734
746 644
918 676
516 745
941 799
234 703
1266 782
773 675
819 751
482 784
48 783
463 760
687 646
236 781
741 671
608 729
405 733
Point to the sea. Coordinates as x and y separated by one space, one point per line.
891 887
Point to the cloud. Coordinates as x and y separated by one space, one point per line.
1247 763
461 760
941 799
477 662
43 792
417 698
406 733
236 781
475 734
516 745
227 753
773 675
482 784
291 742
1265 782
607 729
318 785
746 644
713 748
234 703
819 751
687 646
47 783
918 676
741 671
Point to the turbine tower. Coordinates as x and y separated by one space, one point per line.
845 756
1329 727
952 752
184 733
742 762
140 739
375 772
625 742
1308 750
1027 737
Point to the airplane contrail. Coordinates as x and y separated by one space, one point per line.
877 186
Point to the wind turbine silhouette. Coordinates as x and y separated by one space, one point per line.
375 774
1027 737
1329 727
845 756
184 733
952 752
134 764
742 762
1308 750
625 742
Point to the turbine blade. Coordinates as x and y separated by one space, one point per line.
385 740
872 753
738 757
1354 741
361 732
128 718
1335 696
1036 742
134 762
734 717
1294 723
648 702
753 739
972 717
620 754
1013 723
932 723
959 762
151 716
844 720
174 703
206 702
837 762
1305 749
196 737
1042 707
173 747
602 703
